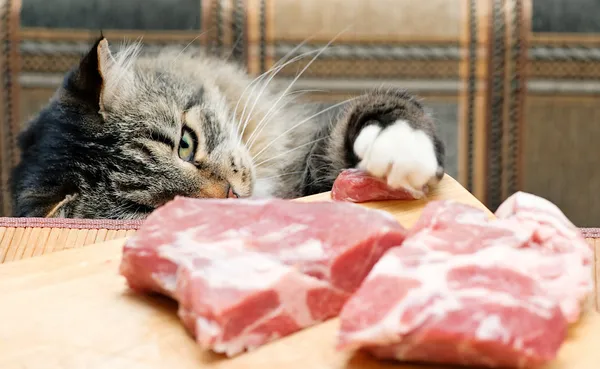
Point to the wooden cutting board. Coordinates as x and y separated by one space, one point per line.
71 310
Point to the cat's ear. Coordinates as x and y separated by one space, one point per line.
99 75
106 64
117 73
87 80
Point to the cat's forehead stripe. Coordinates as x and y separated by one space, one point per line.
211 131
204 122
196 99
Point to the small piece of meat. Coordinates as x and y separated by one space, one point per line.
471 309
187 249
355 185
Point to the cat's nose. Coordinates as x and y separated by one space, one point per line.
231 193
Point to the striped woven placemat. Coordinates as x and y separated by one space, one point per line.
22 238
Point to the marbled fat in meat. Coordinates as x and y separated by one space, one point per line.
471 290
470 309
567 277
233 300
221 257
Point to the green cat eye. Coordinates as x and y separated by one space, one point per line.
187 146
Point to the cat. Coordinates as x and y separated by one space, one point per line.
125 133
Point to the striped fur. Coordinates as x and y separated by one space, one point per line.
108 145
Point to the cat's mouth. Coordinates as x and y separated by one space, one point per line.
231 194
224 190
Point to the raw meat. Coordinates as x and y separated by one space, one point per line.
471 309
446 228
446 214
468 289
555 233
232 299
209 254
553 229
355 185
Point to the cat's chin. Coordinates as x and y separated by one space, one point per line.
263 188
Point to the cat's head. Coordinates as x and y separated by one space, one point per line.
123 135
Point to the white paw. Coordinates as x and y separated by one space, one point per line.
401 155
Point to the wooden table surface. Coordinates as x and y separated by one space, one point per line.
25 241
71 310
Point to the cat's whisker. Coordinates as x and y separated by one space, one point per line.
281 175
315 181
255 83
273 71
238 125
269 116
270 111
252 83
302 122
276 68
258 130
297 76
289 151
262 75
186 46
235 44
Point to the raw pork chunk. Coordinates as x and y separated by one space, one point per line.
468 289
446 228
248 271
233 300
355 185
552 228
472 309
554 232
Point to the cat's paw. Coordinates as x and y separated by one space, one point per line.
405 157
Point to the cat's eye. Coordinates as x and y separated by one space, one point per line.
187 145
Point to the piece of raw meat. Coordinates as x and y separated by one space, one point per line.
446 214
563 276
458 256
554 232
355 185
471 309
233 300
553 229
446 228
322 250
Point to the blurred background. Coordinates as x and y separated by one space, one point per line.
514 84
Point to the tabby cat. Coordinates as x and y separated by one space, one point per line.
125 133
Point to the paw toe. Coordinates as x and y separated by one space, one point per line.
403 156
365 140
